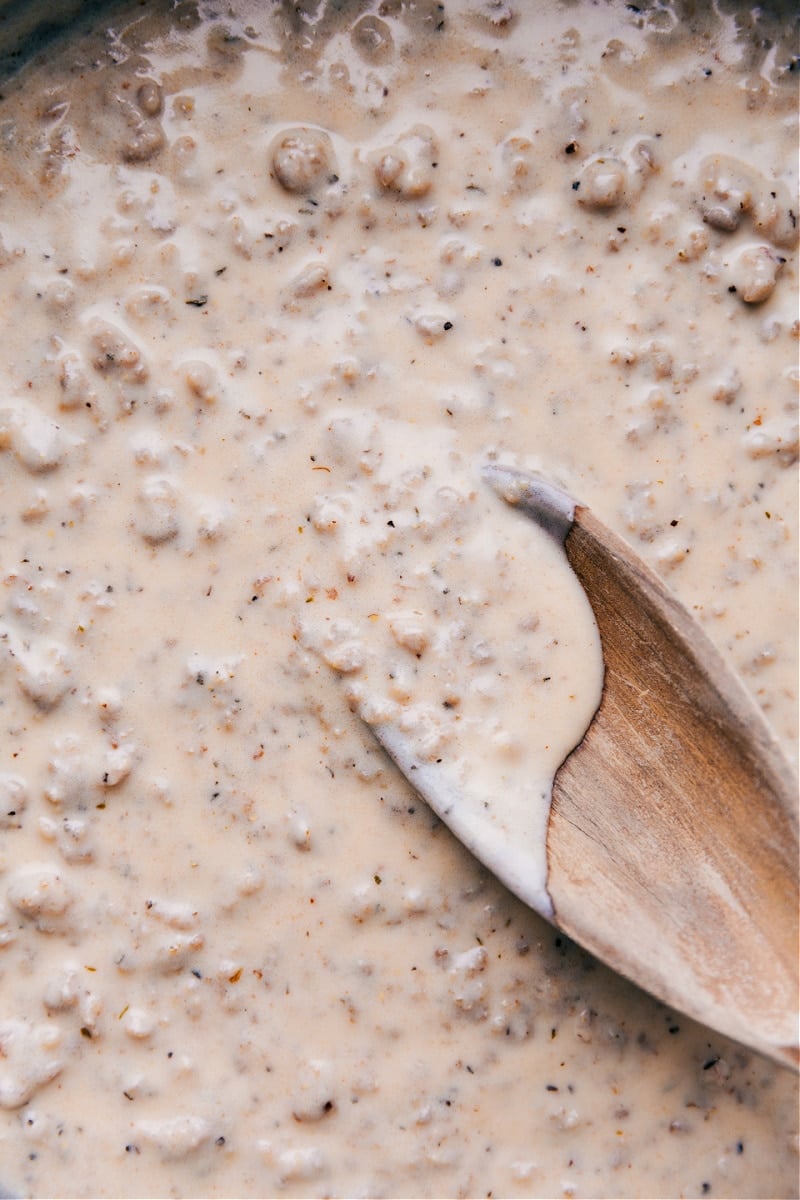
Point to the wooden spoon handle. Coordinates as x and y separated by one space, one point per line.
672 846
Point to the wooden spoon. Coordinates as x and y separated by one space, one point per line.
672 844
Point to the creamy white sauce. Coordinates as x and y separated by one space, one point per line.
263 273
469 645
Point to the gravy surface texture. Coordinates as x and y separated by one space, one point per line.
276 280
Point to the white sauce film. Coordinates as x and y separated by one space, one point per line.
468 645
277 283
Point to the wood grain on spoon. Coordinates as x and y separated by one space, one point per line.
672 844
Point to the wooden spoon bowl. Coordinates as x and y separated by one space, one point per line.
673 841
